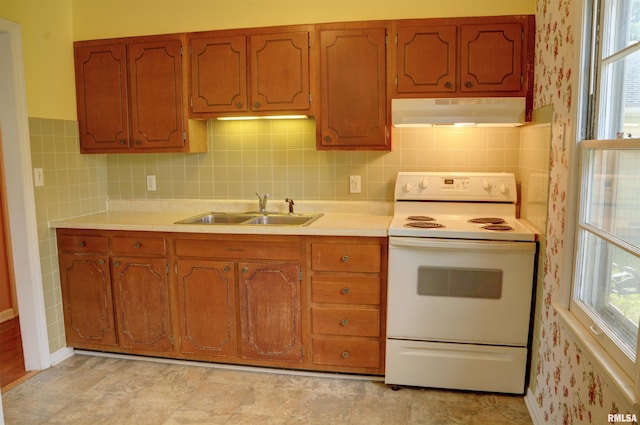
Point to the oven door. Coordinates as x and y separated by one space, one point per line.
460 290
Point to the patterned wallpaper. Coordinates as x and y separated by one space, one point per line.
568 387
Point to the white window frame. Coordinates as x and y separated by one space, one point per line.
616 364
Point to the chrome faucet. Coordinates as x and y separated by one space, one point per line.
262 202
291 204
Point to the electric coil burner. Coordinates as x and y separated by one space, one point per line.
460 283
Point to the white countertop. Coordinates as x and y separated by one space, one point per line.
347 218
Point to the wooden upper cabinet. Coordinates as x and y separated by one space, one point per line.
155 71
101 92
130 96
427 59
256 72
464 57
352 73
218 74
491 57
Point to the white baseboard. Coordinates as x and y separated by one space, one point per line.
60 355
534 410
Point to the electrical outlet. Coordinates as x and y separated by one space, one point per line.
355 184
151 183
38 177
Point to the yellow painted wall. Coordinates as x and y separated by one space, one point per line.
50 26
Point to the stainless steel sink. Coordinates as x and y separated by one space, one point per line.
284 219
274 219
216 218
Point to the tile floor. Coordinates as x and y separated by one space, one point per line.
93 390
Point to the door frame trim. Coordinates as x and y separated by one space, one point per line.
20 199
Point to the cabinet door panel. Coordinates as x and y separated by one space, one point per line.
280 72
87 301
352 87
219 74
427 59
491 57
270 315
155 72
142 303
207 307
101 92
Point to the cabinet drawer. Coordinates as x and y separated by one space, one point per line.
272 250
134 245
345 289
345 257
83 243
346 352
345 321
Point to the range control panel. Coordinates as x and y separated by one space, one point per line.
462 187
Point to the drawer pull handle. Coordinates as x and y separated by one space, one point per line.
82 244
345 291
344 322
137 245
226 269
345 354
345 258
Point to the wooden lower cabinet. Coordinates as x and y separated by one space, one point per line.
207 307
297 302
141 296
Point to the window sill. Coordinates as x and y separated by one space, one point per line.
618 379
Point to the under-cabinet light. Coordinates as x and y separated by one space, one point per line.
266 117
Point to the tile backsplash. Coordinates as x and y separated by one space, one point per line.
279 157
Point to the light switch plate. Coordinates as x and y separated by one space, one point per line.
355 184
151 183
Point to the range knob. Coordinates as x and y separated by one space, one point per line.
424 184
504 189
407 187
486 185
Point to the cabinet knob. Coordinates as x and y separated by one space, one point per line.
101 261
327 139
82 244
123 142
344 322
117 264
239 105
245 269
345 291
345 258
138 142
257 105
345 354
447 84
137 245
226 269
468 84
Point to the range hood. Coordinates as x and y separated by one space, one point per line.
480 111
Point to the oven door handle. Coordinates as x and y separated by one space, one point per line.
460 244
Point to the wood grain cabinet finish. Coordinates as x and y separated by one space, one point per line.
464 57
85 282
250 72
352 74
240 298
207 307
348 303
131 96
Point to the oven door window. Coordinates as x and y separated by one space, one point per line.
460 283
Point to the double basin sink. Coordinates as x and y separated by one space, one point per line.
252 218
